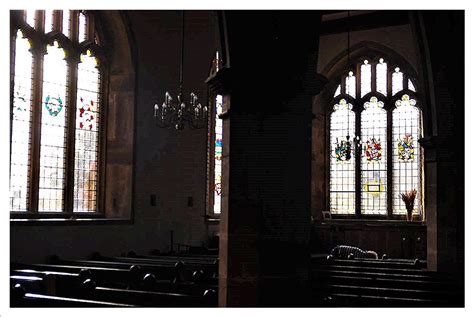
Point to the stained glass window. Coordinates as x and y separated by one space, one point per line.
48 21
406 158
82 27
342 174
373 164
366 78
53 130
43 146
397 81
218 157
351 85
371 146
87 134
381 71
21 121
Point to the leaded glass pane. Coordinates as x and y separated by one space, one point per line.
365 78
342 173
48 21
82 27
30 17
381 71
351 85
397 81
21 121
66 22
373 163
87 135
411 86
53 130
338 91
406 158
218 157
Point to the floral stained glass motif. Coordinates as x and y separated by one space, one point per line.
406 159
218 157
53 104
342 172
87 135
53 131
21 122
374 163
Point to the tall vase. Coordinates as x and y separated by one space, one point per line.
409 214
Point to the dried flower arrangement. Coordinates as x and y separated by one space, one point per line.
409 199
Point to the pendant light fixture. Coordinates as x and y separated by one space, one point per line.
177 113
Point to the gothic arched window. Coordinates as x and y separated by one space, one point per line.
57 66
375 125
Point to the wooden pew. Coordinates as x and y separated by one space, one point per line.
374 283
21 298
161 271
150 298
65 282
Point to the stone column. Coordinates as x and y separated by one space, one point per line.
270 79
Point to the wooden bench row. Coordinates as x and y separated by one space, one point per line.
122 280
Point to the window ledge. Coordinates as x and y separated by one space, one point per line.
76 221
212 219
368 223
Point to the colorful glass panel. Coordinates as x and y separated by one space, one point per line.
373 164
406 158
342 173
87 135
218 157
21 122
53 131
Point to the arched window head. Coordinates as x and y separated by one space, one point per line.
374 78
